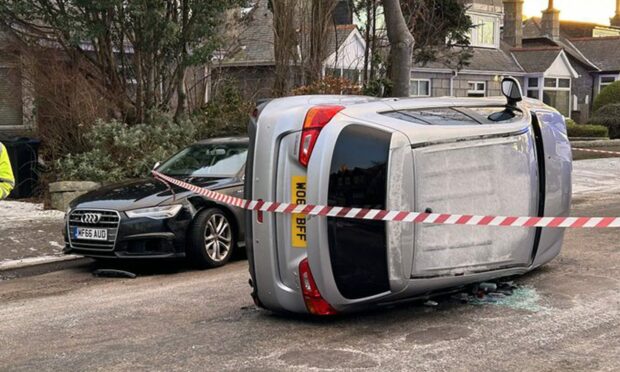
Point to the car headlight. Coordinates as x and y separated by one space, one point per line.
156 213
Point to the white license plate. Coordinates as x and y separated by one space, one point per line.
90 234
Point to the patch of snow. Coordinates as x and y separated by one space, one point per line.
16 212
56 244
594 176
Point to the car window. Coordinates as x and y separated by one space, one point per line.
490 114
433 116
457 115
207 160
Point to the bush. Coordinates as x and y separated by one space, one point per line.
119 151
585 130
329 85
609 116
609 95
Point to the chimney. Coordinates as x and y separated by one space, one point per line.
513 23
615 21
343 13
550 23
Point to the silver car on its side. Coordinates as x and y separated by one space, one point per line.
493 156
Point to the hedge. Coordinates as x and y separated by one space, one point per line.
609 116
585 130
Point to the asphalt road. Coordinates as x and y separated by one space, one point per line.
564 316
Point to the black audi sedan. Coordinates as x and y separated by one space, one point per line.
148 218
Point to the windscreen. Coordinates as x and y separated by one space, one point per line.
207 160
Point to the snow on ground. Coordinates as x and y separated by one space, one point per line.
15 212
596 176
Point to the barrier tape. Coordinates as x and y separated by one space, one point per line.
598 151
402 216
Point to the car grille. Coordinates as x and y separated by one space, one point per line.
109 220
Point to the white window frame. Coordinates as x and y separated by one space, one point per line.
542 88
537 88
476 92
411 80
341 69
600 80
479 19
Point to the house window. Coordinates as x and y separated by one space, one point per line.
419 88
350 74
484 32
10 98
556 93
533 88
477 89
605 80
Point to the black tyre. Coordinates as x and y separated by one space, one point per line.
212 239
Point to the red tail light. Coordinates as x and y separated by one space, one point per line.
316 118
314 302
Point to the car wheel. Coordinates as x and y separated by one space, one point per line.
212 239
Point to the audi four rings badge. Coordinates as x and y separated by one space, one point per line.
91 218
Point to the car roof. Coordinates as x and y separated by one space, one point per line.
222 140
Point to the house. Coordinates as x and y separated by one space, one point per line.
593 51
563 63
249 61
488 64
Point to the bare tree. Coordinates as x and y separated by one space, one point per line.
321 16
401 47
285 44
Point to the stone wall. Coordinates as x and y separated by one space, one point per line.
582 87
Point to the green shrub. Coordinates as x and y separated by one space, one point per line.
609 116
609 95
119 151
585 130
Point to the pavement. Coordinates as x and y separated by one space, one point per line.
563 316
29 232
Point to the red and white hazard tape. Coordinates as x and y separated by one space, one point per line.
403 216
597 151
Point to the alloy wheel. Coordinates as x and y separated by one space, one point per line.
218 237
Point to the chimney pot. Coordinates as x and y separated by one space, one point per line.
550 22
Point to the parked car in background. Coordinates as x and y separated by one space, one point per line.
149 219
491 156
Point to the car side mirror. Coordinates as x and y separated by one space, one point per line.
156 165
511 89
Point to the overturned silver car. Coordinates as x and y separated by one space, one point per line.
492 156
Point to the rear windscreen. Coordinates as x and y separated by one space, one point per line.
358 178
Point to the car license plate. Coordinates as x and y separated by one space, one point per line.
298 221
90 234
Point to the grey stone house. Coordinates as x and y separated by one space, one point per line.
563 63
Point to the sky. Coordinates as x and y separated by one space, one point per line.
598 11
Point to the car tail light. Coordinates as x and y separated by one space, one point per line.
316 118
315 304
